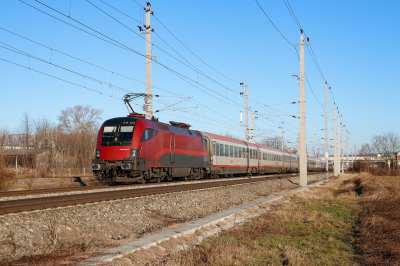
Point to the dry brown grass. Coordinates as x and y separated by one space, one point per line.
315 227
379 223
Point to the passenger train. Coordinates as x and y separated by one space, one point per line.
134 149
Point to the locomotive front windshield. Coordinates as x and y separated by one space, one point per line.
117 135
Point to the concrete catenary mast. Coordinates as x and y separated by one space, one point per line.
149 96
335 173
303 139
326 128
246 126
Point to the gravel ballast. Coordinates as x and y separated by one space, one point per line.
93 227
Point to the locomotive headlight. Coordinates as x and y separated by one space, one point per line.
126 166
95 167
134 153
97 154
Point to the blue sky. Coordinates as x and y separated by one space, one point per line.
355 43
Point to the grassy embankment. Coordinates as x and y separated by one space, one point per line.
348 221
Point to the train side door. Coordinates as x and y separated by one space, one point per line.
209 146
215 154
172 147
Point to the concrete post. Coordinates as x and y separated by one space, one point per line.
282 137
338 145
254 129
246 126
347 147
335 173
355 153
341 149
247 114
326 128
303 139
149 93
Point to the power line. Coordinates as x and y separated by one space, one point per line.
309 47
120 45
25 53
121 12
193 68
192 51
274 24
87 88
66 69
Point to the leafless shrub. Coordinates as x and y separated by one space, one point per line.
7 178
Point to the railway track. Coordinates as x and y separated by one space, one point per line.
14 206
17 193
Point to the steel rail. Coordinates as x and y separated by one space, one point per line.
17 193
14 206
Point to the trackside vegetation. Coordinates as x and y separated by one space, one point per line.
314 227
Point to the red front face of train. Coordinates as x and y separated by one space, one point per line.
117 147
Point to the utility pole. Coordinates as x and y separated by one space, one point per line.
355 153
303 139
338 144
326 129
347 145
149 93
282 137
334 142
254 129
246 126
341 150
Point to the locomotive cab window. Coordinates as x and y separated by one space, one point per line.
147 134
117 135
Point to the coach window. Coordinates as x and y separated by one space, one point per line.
255 154
221 149
235 153
226 150
231 151
217 149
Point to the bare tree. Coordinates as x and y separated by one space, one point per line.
274 142
79 119
79 125
386 144
26 130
